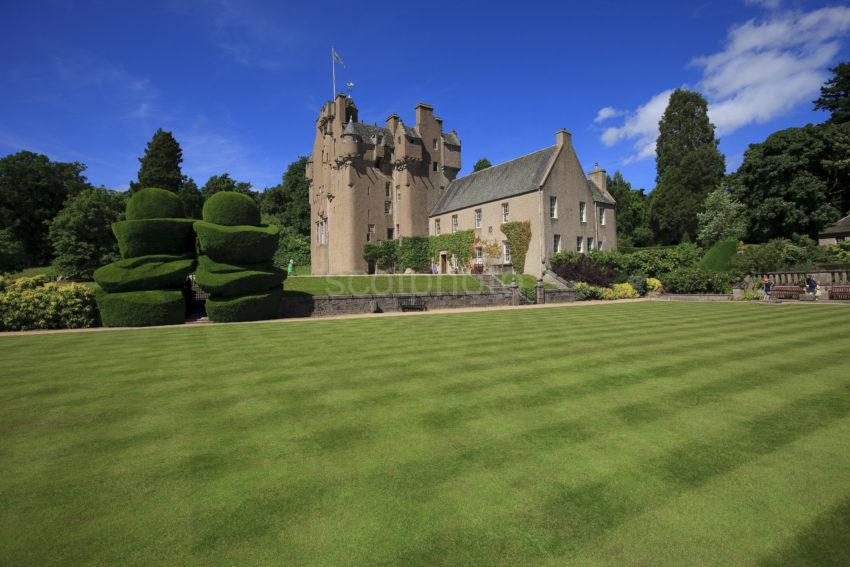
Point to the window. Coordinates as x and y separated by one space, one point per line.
579 244
435 143
388 207
477 218
582 212
454 223
397 230
398 196
589 243
389 234
506 252
557 243
378 163
387 188
321 229
479 255
553 207
435 166
599 244
602 217
367 190
505 212
437 227
370 233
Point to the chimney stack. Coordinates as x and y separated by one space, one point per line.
563 138
599 177
424 113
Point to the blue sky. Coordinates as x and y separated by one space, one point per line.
240 82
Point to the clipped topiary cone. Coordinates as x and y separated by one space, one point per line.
236 267
157 247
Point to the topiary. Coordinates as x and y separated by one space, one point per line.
237 244
145 272
154 236
253 307
229 208
141 308
227 280
153 203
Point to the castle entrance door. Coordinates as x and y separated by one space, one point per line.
370 268
443 267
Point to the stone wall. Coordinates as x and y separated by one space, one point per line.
304 305
693 297
560 295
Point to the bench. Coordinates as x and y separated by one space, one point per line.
411 303
786 292
840 292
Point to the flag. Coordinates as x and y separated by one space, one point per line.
336 57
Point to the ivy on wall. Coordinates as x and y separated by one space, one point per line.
459 243
519 237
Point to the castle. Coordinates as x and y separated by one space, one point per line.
370 183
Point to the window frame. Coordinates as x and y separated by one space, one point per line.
454 224
437 227
506 212
477 216
582 212
506 253
580 244
556 242
553 207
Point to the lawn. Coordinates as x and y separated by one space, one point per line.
649 433
523 280
381 284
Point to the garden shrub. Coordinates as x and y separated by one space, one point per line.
576 267
585 291
415 253
697 280
292 246
529 293
228 280
650 261
229 208
34 303
237 267
237 244
153 203
720 256
387 255
254 307
620 291
141 308
654 285
145 273
154 236
638 283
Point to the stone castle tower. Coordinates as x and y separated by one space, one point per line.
370 183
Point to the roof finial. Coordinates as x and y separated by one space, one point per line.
596 166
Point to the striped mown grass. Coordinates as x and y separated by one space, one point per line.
646 433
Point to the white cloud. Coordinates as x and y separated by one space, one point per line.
769 4
607 113
765 70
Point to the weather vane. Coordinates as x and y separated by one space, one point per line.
350 85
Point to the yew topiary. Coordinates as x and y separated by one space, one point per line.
153 203
154 236
141 308
229 208
145 272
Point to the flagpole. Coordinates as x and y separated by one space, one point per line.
333 72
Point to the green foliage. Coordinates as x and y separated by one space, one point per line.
254 307
141 308
33 303
237 244
518 235
290 201
586 292
191 198
796 182
779 254
154 203
458 243
654 285
154 236
370 252
33 190
387 254
723 217
632 212
81 233
292 246
688 165
638 283
620 291
13 256
415 253
721 256
225 183
160 165
835 95
650 261
483 163
697 280
145 272
231 209
227 280
576 267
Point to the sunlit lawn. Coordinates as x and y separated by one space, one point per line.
648 433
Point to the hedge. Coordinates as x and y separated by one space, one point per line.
719 257
32 303
227 280
141 308
154 236
415 253
145 272
237 244
153 203
266 305
231 209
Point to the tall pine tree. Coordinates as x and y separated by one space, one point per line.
160 166
688 164
835 95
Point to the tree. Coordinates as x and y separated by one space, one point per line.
483 163
33 190
835 95
81 234
723 217
191 197
688 165
796 182
160 166
13 256
289 202
632 212
224 182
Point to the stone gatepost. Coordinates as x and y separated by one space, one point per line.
540 292
514 293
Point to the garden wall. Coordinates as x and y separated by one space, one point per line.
693 297
304 305
560 295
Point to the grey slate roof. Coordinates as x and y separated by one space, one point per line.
369 132
450 138
514 177
840 227
600 196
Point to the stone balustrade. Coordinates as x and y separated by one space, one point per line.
826 278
